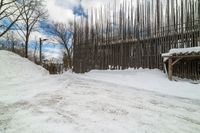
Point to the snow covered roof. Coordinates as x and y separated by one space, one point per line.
182 51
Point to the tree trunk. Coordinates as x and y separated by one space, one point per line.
26 46
13 47
70 62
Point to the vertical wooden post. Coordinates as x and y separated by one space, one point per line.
122 57
170 69
80 67
40 51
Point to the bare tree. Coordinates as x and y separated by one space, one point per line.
11 40
10 11
63 34
34 12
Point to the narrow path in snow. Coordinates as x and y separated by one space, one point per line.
78 105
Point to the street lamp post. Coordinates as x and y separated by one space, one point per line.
41 41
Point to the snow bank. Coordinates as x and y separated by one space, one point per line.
14 66
152 80
20 78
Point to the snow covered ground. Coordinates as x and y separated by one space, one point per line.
152 80
130 101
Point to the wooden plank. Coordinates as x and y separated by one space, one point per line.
170 69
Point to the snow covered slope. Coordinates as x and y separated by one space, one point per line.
14 66
19 77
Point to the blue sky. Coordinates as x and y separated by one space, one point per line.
79 11
64 11
76 10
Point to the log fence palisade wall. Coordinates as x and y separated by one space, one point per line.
135 35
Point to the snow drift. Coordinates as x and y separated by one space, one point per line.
19 77
14 66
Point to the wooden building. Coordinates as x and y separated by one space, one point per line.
183 62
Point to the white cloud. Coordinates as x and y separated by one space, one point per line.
62 10
89 4
53 53
67 3
60 13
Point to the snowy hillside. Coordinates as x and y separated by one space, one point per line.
12 65
19 77
130 101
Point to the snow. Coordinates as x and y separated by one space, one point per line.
12 66
182 51
152 80
129 101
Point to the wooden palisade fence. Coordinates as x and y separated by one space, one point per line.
135 34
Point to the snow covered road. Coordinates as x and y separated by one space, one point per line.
73 103
85 106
